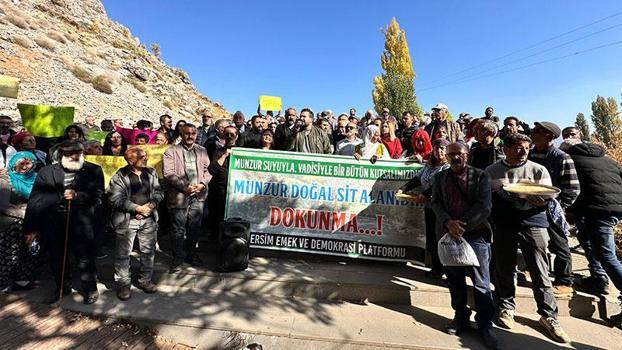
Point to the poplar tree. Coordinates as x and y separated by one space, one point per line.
606 120
394 89
581 124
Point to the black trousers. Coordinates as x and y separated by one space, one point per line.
80 247
562 264
431 242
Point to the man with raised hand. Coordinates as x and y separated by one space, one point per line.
308 138
284 132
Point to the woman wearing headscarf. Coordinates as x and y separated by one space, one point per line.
22 174
24 141
114 144
372 147
16 264
421 146
391 142
421 184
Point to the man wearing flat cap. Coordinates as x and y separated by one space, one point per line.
439 116
62 204
563 176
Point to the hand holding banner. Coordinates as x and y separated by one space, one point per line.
8 86
270 103
45 121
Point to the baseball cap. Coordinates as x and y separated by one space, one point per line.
551 127
440 106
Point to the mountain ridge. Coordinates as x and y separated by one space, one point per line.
70 53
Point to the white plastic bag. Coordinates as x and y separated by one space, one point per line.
456 252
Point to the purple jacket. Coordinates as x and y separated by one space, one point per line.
174 169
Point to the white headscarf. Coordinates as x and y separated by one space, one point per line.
370 148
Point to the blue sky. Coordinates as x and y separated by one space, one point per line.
324 54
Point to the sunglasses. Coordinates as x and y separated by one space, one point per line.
350 128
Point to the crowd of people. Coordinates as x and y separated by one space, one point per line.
59 199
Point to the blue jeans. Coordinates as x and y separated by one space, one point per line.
186 227
146 230
596 237
481 285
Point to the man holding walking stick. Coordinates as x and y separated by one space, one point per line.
61 210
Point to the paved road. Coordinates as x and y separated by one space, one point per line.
28 325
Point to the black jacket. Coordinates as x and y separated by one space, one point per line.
600 178
250 139
283 137
479 199
47 197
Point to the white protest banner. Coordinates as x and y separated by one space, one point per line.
325 204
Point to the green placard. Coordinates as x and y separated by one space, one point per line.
46 121
97 135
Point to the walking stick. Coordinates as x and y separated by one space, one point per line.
62 275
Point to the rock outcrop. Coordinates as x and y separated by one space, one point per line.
69 52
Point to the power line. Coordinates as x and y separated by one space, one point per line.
528 65
530 46
536 53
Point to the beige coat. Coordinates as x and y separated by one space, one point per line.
174 170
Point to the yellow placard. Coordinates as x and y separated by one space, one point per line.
8 86
45 121
111 164
156 154
270 103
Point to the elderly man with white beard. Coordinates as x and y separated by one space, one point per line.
62 206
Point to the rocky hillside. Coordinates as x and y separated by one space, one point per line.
67 52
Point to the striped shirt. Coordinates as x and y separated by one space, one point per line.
68 180
563 173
